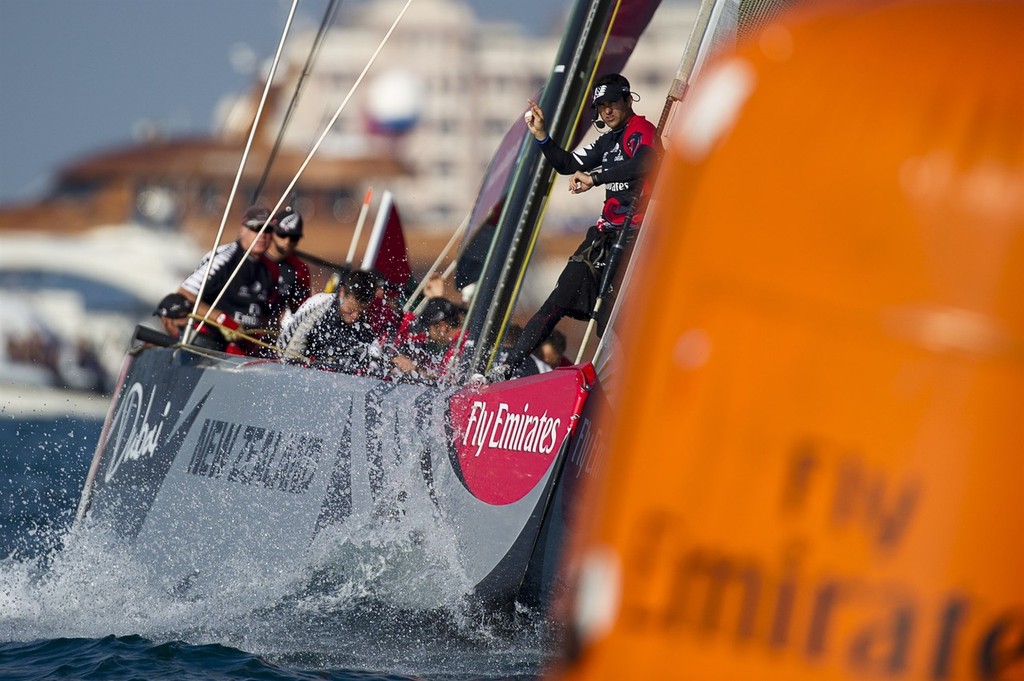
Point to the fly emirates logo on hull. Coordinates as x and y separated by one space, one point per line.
507 436
503 428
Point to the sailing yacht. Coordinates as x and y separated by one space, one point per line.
214 465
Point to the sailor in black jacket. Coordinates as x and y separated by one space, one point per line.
621 161
249 299
329 329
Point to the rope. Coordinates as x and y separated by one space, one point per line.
447 273
251 339
189 330
314 51
316 146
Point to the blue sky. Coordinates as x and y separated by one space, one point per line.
77 75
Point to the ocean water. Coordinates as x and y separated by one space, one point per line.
73 605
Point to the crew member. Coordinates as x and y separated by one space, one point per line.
293 282
247 299
620 160
330 330
552 351
434 340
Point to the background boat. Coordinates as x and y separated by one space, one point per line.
71 302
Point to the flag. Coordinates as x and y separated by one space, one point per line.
386 253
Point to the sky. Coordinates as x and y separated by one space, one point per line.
79 75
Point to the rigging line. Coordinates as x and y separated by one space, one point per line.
444 252
444 277
252 339
189 329
314 52
316 146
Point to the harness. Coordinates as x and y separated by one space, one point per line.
594 256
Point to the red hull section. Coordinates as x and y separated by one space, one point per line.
507 436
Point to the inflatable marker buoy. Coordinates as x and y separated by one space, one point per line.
816 466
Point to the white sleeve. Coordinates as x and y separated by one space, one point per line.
221 256
294 336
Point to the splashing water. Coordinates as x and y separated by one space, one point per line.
365 596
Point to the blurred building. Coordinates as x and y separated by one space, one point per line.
440 96
423 124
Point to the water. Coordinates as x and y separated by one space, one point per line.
75 605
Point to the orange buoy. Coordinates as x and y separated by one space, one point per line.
816 464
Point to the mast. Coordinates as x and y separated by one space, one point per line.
563 100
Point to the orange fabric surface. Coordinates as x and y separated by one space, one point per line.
816 467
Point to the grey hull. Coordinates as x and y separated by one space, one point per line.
214 467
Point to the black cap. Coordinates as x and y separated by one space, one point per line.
174 306
610 88
436 310
255 217
287 222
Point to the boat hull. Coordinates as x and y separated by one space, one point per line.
211 467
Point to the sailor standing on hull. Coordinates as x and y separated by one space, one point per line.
249 299
620 160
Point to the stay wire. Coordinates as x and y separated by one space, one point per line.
314 52
189 329
316 147
444 252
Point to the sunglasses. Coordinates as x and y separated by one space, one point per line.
294 238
